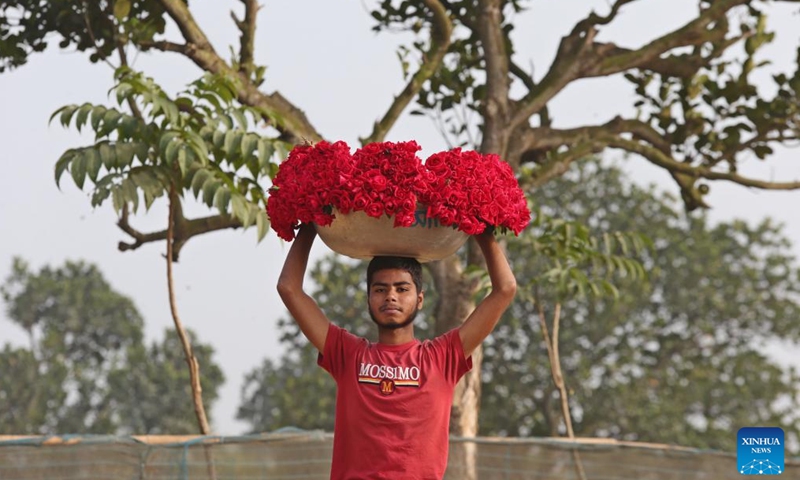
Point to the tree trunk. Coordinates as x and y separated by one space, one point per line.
455 304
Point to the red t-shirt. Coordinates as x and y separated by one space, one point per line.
392 404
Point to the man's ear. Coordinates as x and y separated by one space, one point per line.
420 298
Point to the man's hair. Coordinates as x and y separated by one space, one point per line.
410 265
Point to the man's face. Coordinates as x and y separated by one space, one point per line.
393 298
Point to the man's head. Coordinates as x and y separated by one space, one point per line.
411 265
394 288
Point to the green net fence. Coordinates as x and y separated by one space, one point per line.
306 455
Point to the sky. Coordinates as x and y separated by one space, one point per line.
324 57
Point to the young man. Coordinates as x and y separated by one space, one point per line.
393 397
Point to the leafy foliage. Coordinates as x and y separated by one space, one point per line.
98 26
678 358
87 369
152 392
200 141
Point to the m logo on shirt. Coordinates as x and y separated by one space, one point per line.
387 386
388 377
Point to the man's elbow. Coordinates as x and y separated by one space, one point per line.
287 289
507 289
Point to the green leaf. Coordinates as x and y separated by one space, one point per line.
199 181
122 91
240 209
93 162
62 164
127 127
117 199
78 169
172 150
199 147
210 188
97 116
219 139
221 199
130 193
249 143
83 114
142 151
67 113
122 8
262 224
183 159
124 153
232 144
106 155
265 152
240 118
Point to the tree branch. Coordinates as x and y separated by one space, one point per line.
544 146
165 46
184 230
294 124
441 29
594 20
580 57
658 158
530 84
496 106
247 39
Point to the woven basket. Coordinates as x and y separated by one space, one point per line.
360 236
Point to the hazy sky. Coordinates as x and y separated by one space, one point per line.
322 56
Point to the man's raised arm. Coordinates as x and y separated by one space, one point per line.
312 321
504 286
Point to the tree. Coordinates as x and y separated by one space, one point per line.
690 339
679 358
700 114
82 371
152 393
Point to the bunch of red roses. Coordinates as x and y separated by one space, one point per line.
461 188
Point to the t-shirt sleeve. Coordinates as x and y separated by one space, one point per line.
449 353
339 347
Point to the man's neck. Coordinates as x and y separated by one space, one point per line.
398 336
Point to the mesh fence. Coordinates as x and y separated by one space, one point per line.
306 455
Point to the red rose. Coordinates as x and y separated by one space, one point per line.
374 210
378 183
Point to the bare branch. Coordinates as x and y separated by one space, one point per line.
546 138
184 230
294 123
657 157
546 147
580 57
594 20
441 28
165 47
559 163
530 84
247 39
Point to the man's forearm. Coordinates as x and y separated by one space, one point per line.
294 268
500 273
311 320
